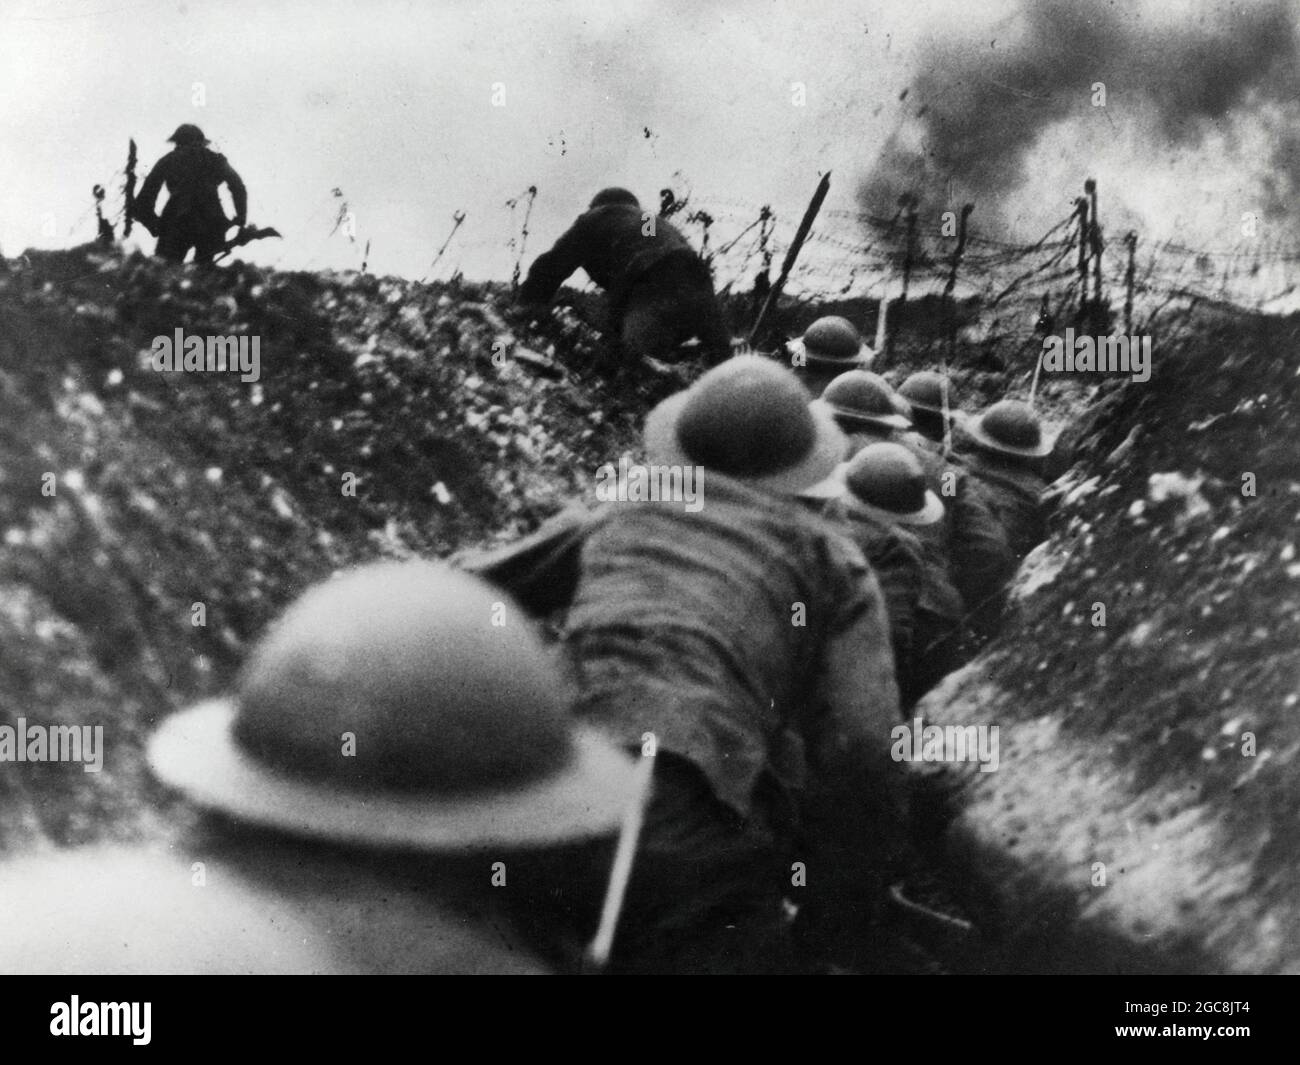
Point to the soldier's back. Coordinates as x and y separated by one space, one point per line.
193 177
1014 495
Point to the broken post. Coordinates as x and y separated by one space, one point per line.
909 203
959 251
1081 210
949 289
105 227
1094 241
800 236
128 186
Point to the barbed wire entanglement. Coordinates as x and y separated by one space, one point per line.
953 284
947 282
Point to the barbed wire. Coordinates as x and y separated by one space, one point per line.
856 253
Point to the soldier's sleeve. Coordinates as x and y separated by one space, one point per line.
542 570
859 686
238 193
552 268
147 197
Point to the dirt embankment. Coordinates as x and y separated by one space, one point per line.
1122 744
183 496
1143 816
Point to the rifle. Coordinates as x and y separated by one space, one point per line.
246 235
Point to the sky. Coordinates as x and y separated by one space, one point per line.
416 111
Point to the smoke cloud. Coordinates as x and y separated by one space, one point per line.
979 110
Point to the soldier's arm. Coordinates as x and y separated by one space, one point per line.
542 570
552 268
143 207
859 687
238 195
857 784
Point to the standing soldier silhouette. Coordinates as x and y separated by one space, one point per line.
193 216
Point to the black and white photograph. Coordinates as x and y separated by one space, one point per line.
650 487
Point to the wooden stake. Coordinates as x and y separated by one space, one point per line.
1130 241
1094 241
1081 209
909 251
949 288
129 186
800 236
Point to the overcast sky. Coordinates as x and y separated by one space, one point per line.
393 104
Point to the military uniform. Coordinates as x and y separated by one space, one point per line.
939 618
193 216
1014 495
895 557
979 560
708 631
660 291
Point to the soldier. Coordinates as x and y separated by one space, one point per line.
748 642
863 405
392 769
1003 448
881 497
924 391
829 347
968 543
660 291
193 216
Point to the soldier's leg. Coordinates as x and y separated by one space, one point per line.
686 294
647 328
707 322
209 244
705 893
173 245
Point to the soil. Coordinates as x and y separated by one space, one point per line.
179 496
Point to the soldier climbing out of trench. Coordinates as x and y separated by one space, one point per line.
660 291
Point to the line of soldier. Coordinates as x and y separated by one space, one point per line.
944 506
410 778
